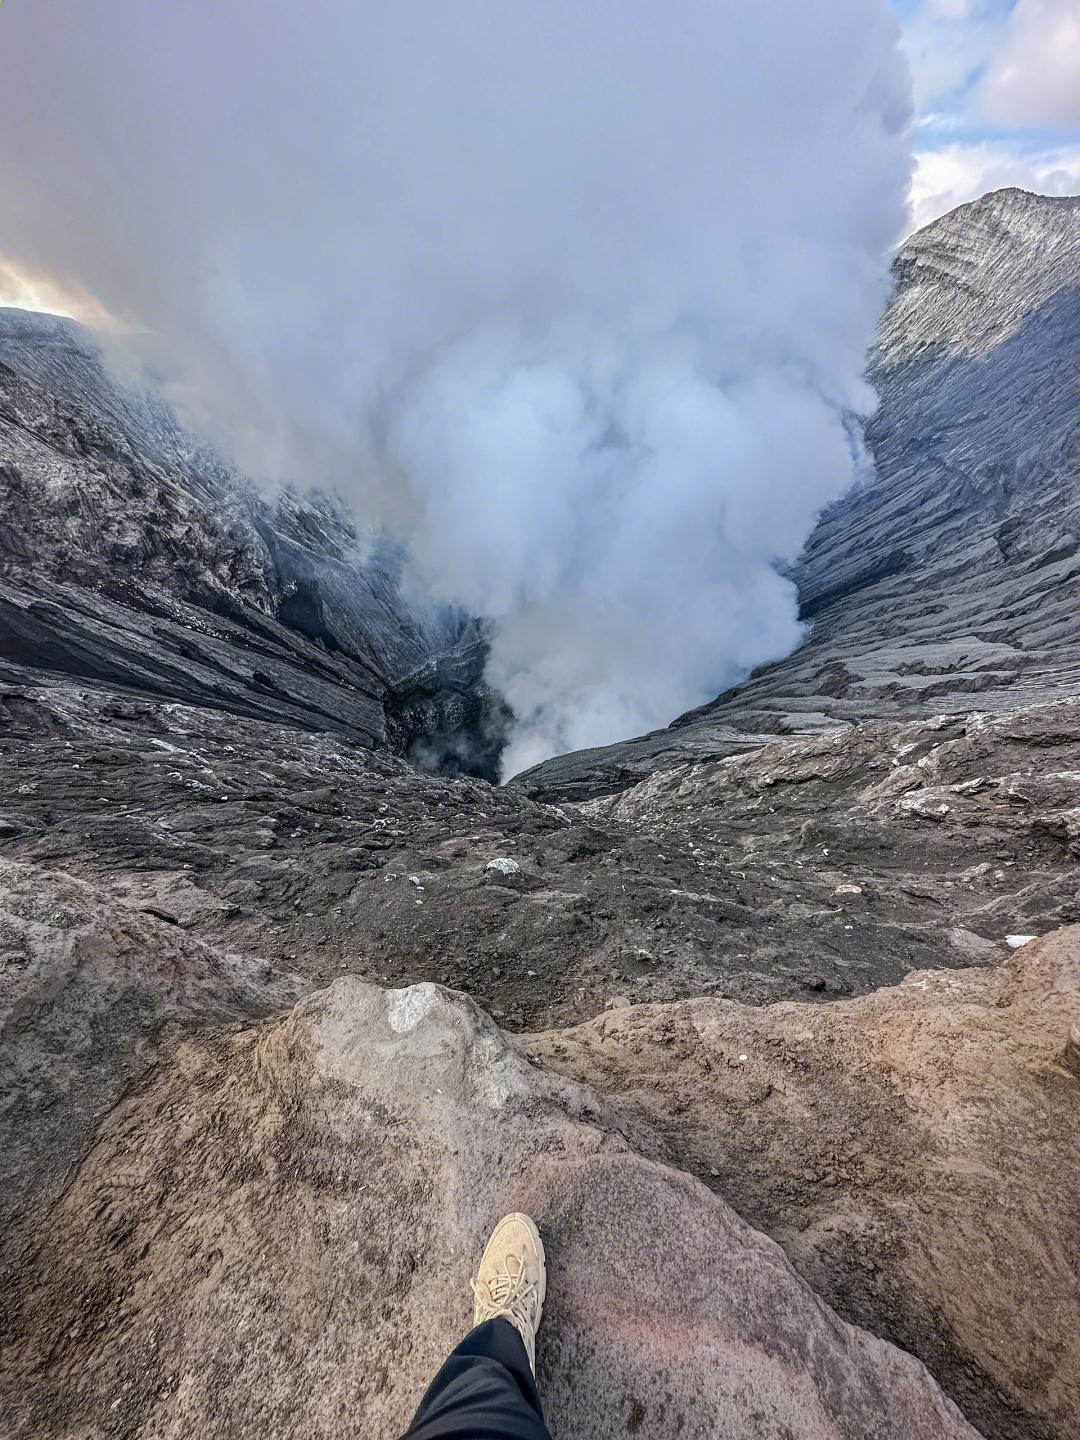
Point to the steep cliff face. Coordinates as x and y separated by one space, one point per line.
132 558
952 579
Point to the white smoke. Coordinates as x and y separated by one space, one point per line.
573 293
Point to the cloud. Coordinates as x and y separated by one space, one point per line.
980 65
574 295
1012 63
949 43
24 290
1034 77
954 174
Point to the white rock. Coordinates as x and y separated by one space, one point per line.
504 867
1015 941
925 804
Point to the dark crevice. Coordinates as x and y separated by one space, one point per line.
446 720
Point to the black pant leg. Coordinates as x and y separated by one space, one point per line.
484 1391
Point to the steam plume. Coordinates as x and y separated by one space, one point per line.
573 294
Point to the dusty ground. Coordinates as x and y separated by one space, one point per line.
165 1150
735 879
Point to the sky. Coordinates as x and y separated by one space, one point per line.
997 94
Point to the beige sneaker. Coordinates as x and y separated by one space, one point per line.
512 1279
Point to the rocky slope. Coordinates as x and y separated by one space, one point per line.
168 1133
813 868
952 579
274 1231
132 559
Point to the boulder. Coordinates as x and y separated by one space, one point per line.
914 1151
273 1234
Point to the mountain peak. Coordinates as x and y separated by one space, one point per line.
966 281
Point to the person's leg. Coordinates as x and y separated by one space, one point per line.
486 1389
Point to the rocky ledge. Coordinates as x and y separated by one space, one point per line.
238 1225
274 1230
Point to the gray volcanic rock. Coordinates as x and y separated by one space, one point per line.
273 1234
446 719
323 858
132 558
89 992
952 578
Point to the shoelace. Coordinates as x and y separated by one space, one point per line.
511 1294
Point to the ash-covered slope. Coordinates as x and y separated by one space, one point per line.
951 580
132 558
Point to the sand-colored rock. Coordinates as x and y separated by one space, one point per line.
273 1236
915 1151
90 990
